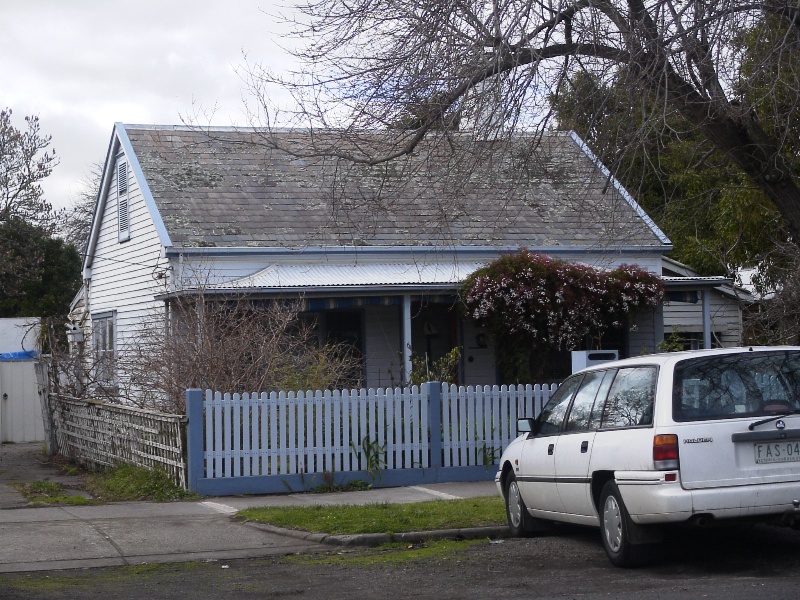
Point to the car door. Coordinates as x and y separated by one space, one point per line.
574 447
624 440
536 474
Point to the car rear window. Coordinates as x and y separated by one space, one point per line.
736 385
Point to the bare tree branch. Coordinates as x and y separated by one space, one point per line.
415 69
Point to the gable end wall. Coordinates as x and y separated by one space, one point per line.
124 274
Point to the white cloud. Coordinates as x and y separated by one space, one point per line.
83 65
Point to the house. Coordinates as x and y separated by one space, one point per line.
702 312
376 253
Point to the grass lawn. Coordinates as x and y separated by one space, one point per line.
117 484
45 493
383 518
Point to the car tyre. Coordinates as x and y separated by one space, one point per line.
520 522
615 529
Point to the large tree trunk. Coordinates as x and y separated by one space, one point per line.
736 131
749 146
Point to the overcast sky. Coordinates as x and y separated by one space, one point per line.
82 65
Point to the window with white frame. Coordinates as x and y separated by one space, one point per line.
103 347
123 209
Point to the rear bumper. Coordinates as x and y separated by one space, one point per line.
650 500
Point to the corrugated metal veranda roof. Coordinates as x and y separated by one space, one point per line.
349 275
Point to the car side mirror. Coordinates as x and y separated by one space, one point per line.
526 425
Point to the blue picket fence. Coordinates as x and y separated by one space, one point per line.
286 441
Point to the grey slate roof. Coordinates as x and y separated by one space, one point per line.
227 188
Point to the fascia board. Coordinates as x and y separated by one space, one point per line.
405 251
320 291
77 298
100 203
695 283
133 162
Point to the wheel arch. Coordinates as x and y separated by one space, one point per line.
506 470
599 480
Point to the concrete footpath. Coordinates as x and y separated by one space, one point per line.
69 537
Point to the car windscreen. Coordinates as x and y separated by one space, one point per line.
736 385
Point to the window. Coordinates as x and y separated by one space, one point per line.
583 415
630 400
693 340
123 216
103 347
553 413
738 385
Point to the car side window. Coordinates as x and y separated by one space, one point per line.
630 399
584 414
552 417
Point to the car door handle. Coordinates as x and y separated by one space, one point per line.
550 449
584 446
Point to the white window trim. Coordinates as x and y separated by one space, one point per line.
109 354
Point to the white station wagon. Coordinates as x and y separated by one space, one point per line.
688 437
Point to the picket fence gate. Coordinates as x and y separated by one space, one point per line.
293 441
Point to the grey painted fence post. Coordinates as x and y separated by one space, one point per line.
194 438
435 421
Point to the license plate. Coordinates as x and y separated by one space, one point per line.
777 452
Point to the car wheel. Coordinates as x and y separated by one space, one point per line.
520 522
615 529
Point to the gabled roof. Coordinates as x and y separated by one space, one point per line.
226 188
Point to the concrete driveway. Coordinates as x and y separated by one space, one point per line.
24 463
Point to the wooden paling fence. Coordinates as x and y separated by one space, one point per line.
98 434
479 422
284 441
292 441
312 432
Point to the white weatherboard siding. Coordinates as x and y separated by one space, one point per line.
125 274
644 334
687 317
382 346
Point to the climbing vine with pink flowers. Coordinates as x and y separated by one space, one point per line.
551 303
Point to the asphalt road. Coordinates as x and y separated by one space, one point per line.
757 562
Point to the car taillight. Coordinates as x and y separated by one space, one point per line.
665 451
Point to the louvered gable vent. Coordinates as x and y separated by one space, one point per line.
123 217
